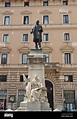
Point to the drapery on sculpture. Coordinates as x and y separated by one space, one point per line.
34 89
37 34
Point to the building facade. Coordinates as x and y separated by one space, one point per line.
59 44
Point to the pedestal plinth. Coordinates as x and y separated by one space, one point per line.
34 106
36 62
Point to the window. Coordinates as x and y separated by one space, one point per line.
67 57
45 37
47 57
65 19
65 2
5 38
3 78
7 4
25 37
24 58
45 3
26 4
46 19
21 78
68 78
69 103
26 20
6 20
69 106
4 59
66 37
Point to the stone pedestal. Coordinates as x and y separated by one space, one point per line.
36 61
34 106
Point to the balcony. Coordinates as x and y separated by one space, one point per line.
68 65
52 65
58 65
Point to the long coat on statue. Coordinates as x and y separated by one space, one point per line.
37 33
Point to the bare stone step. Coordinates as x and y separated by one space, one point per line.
21 109
23 104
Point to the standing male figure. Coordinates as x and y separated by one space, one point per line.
37 34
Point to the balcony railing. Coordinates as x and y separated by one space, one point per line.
53 65
59 65
68 65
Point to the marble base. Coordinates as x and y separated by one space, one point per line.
34 106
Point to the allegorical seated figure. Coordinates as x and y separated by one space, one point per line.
34 89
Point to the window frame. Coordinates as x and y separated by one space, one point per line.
65 19
68 78
26 3
7 37
46 19
26 36
7 4
24 54
5 58
69 98
4 78
66 37
21 78
24 20
45 3
6 20
65 2
45 36
67 59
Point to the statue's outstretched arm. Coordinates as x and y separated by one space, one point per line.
25 79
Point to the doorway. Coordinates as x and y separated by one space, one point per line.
49 87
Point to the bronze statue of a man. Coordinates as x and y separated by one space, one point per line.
37 34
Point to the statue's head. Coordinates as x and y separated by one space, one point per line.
37 21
